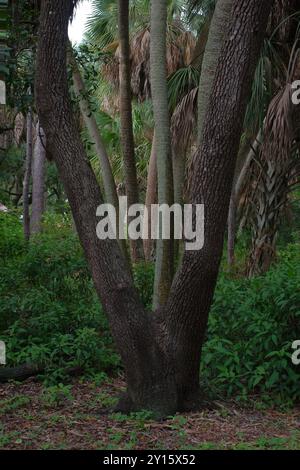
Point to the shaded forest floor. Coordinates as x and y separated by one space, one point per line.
70 417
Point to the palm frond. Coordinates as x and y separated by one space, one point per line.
180 83
183 122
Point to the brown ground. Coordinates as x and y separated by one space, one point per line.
31 418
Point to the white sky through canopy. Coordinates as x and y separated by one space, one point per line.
77 27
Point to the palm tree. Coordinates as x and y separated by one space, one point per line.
159 90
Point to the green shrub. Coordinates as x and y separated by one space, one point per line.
50 313
251 329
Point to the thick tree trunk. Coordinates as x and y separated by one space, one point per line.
151 198
27 174
161 352
38 181
127 139
158 54
186 313
150 381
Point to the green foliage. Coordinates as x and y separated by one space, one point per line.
11 237
251 329
143 279
50 313
12 404
57 395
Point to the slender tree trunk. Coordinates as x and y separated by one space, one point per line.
200 47
241 171
158 54
127 139
110 190
217 33
38 181
91 125
151 198
178 163
27 174
161 352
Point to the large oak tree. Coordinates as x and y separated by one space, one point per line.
160 350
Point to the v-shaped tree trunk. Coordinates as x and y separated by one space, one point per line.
160 350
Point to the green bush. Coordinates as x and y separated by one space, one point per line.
251 329
50 314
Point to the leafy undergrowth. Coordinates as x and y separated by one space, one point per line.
71 417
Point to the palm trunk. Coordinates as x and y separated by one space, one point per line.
151 198
127 139
158 49
38 181
27 174
161 352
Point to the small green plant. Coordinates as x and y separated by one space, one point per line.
57 395
11 404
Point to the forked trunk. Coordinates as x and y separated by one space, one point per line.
160 351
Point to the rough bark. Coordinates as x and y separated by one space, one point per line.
193 287
148 377
158 66
27 175
38 181
127 138
161 352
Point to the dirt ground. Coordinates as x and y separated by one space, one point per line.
33 417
